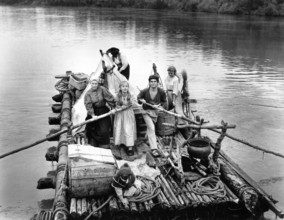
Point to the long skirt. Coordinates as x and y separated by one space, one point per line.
98 132
125 128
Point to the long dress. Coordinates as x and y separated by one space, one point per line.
124 124
98 132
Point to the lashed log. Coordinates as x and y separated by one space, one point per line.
73 208
94 207
196 200
190 198
133 207
230 194
165 183
99 204
113 207
79 206
166 193
84 207
140 206
180 191
147 207
60 202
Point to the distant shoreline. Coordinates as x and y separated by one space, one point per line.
235 7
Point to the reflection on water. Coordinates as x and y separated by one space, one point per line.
235 67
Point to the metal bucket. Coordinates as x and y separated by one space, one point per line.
199 147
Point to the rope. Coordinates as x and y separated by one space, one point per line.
148 193
62 186
62 85
211 185
44 215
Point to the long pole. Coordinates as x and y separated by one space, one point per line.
62 132
211 129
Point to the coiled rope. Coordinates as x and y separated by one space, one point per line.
211 185
150 190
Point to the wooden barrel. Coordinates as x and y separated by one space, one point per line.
91 172
91 181
163 130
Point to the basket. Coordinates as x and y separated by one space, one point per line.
163 130
62 85
79 80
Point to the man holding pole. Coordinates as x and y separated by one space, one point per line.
157 98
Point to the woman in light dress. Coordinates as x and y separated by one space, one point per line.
124 123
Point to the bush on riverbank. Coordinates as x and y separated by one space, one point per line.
247 7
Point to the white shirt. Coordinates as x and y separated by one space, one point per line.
171 83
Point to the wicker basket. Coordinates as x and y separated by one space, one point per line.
163 130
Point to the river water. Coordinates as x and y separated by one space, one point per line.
234 64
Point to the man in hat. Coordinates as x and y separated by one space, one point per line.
126 184
156 97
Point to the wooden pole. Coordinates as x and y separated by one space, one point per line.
211 129
62 132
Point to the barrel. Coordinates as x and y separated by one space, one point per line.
199 147
91 181
91 171
163 130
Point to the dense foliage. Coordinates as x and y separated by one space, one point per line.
248 7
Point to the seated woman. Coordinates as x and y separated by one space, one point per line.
98 132
125 184
124 122
121 61
171 84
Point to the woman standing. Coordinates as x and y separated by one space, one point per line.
124 122
121 61
171 84
98 132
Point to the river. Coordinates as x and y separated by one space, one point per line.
234 64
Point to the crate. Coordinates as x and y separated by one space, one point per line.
79 80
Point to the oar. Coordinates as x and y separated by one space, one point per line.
211 129
63 131
171 113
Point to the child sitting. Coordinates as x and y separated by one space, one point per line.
126 184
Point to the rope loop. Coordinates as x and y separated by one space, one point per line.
211 185
62 85
148 192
